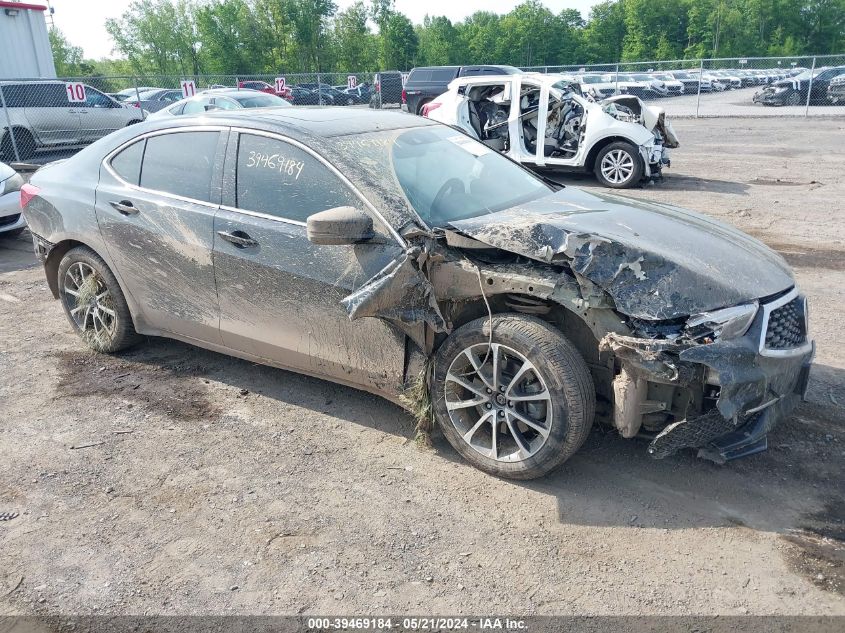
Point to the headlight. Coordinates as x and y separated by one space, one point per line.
724 324
2 187
780 88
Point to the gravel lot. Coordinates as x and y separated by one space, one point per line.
174 480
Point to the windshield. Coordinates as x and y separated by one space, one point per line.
682 76
444 174
146 95
592 79
260 100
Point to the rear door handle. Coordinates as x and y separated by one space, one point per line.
238 238
124 207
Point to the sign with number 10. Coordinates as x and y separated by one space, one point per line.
75 92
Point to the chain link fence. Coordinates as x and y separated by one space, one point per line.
750 87
38 117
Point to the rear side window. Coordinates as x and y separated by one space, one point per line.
35 95
180 163
280 179
443 74
127 164
419 75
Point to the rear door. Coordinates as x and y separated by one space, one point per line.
53 119
280 295
155 205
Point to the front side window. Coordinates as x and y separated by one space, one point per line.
280 179
180 163
95 99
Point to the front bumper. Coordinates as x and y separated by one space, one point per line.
767 97
11 217
745 385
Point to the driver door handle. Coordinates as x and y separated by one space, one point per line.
238 238
124 207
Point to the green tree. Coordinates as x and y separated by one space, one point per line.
67 58
355 46
604 32
438 42
398 42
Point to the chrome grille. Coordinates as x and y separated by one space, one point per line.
787 326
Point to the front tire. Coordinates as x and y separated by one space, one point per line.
94 303
619 166
518 409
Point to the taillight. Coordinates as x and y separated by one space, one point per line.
404 96
28 192
428 107
378 86
137 104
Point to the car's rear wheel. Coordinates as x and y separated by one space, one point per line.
517 408
618 165
25 143
94 303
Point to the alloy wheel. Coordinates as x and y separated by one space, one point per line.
498 402
89 302
617 166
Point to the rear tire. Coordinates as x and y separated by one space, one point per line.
23 139
528 417
94 303
619 165
421 105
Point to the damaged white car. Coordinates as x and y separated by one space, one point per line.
544 121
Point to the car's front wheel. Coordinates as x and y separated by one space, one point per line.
94 303
619 165
518 407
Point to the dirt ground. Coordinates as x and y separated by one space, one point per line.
173 480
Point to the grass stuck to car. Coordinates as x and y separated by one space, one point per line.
399 256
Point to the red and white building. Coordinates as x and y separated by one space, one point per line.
24 44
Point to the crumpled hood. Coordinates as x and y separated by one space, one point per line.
656 261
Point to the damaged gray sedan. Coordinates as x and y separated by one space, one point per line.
399 256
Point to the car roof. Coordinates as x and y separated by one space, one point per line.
321 122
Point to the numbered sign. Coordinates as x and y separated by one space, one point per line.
189 88
351 81
75 92
404 78
280 84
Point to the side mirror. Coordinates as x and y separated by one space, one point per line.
341 225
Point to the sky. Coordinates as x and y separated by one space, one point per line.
83 21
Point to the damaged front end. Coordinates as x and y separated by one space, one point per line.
717 382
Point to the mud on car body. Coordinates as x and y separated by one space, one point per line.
401 257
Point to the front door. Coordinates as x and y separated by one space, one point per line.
280 295
155 204
100 115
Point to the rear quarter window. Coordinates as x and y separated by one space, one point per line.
127 164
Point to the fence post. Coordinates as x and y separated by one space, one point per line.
810 88
616 87
237 83
700 77
9 124
138 97
319 89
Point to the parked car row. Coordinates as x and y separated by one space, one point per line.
811 86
